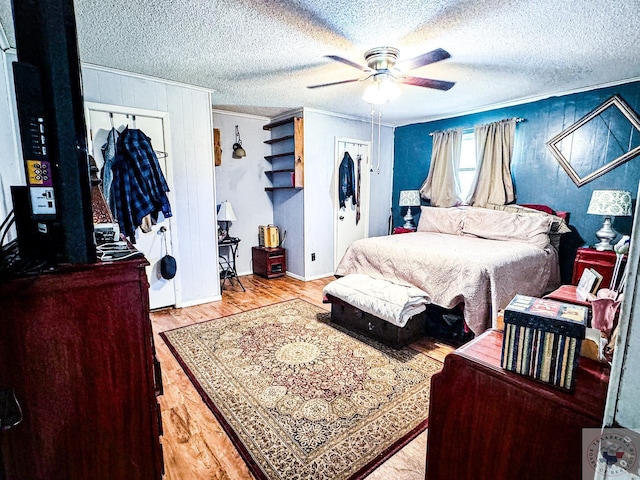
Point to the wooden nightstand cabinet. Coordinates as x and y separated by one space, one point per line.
602 262
398 230
269 262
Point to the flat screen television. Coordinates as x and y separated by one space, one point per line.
52 129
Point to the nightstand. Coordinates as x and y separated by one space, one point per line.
269 262
398 230
601 261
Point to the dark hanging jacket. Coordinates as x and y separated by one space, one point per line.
139 187
346 180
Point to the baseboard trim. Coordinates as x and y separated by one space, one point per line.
309 279
200 301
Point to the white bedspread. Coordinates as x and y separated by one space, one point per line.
394 303
482 274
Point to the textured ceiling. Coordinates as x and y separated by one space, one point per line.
259 55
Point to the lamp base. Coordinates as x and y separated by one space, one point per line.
606 234
408 220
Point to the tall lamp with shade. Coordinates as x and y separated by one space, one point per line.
609 203
409 198
226 214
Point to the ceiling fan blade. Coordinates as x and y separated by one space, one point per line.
333 83
422 60
426 82
348 62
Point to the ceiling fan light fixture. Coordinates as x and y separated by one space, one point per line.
382 90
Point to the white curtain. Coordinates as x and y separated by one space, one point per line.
442 186
494 149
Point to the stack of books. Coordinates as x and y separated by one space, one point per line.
542 339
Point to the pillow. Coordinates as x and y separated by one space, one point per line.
441 220
558 225
499 225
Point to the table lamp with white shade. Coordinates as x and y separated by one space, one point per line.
609 203
409 198
226 214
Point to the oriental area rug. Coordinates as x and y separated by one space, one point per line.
303 399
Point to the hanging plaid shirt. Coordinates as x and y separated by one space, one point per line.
139 187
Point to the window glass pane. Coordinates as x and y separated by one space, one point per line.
468 151
467 169
465 182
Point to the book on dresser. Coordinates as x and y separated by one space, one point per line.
590 282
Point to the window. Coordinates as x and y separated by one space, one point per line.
467 168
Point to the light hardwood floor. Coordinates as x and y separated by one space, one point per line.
195 445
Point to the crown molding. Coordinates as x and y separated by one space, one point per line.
217 111
521 101
145 77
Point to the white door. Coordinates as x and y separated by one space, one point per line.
162 292
347 230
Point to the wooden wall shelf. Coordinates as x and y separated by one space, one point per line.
283 170
278 140
288 161
279 155
278 123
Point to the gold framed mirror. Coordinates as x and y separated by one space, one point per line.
598 142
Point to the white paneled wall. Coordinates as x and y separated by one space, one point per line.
191 138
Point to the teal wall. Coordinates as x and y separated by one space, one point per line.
538 177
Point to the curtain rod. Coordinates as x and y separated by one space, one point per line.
518 120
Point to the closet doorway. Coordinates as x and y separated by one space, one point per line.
101 118
347 230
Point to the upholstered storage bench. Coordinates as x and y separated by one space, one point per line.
356 320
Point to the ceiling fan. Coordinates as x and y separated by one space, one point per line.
387 72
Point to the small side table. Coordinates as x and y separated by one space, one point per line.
398 230
602 262
269 262
228 268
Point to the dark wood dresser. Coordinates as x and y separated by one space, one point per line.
77 348
489 423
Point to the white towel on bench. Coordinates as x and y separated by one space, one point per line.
394 303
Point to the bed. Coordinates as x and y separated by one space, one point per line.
478 258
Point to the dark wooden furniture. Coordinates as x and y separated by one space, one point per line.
398 230
486 422
567 294
77 348
602 262
269 262
356 320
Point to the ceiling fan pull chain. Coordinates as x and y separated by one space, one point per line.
372 111
379 121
